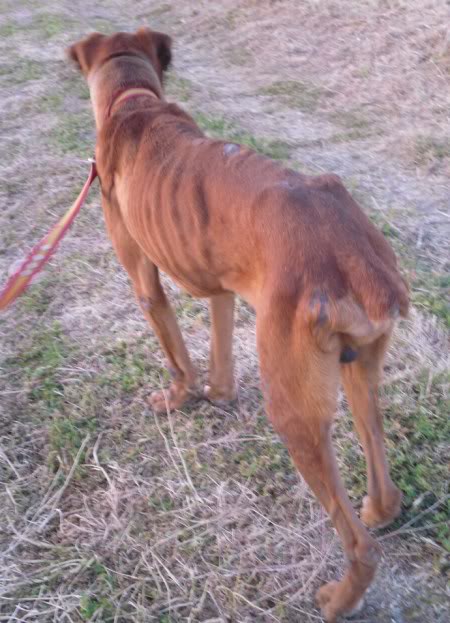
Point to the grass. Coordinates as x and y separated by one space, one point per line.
295 94
178 88
65 436
22 71
127 367
429 284
50 25
74 134
428 149
351 119
9 29
40 359
219 127
43 25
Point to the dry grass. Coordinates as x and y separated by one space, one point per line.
108 513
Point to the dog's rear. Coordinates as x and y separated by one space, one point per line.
367 292
327 311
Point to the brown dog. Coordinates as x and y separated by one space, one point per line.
221 219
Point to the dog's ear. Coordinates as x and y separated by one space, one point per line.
83 52
157 46
163 49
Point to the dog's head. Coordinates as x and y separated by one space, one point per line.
96 49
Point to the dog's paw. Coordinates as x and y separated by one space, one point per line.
164 400
219 396
334 602
374 517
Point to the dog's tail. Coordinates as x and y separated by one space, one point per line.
346 324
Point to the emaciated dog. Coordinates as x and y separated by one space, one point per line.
221 219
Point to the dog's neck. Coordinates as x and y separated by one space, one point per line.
128 94
118 80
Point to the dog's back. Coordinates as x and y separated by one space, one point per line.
217 216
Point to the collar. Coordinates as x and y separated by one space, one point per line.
127 94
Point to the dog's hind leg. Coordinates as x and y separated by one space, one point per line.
300 383
361 379
221 374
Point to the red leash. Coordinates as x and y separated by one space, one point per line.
41 253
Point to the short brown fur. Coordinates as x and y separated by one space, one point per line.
221 219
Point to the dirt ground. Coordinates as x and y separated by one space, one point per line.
109 513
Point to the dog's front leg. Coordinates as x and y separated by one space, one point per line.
157 310
161 317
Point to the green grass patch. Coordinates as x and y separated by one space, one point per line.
22 71
353 134
218 127
97 603
429 149
49 25
431 293
43 25
126 367
9 29
74 134
66 434
51 102
39 362
178 88
39 296
351 119
295 94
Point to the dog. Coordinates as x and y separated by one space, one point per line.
221 220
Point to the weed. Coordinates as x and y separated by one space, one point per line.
431 293
97 603
190 307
